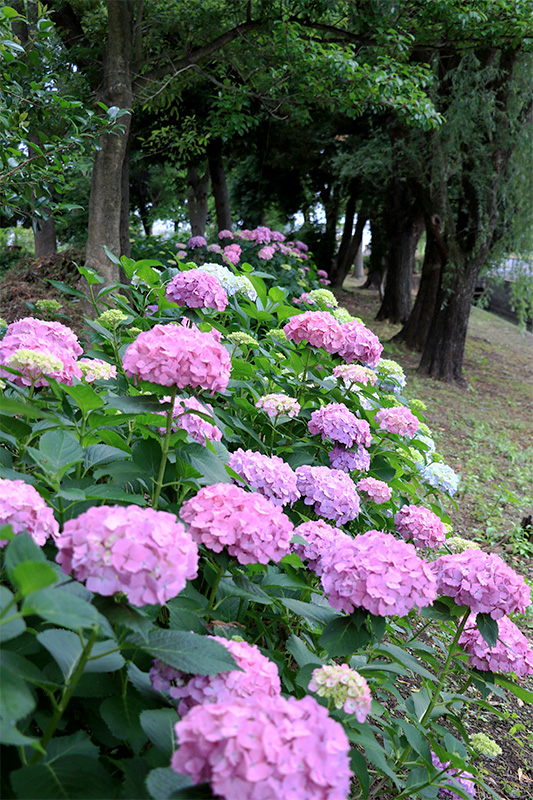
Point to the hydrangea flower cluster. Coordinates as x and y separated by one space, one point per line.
266 253
397 420
462 778
276 404
318 328
359 344
54 352
335 421
350 460
257 675
458 544
144 553
483 582
485 745
22 507
391 376
242 338
197 241
232 253
511 653
278 334
319 537
378 572
319 297
280 748
231 283
268 475
352 374
343 315
199 429
441 476
195 288
252 528
225 234
94 369
112 318
48 306
179 355
422 526
347 688
331 492
378 491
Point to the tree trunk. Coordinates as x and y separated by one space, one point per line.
404 226
415 331
44 233
219 185
349 216
197 197
125 245
358 264
378 253
107 206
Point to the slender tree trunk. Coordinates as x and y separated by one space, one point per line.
219 185
347 231
404 225
197 197
378 253
107 206
326 247
125 246
44 233
358 264
415 331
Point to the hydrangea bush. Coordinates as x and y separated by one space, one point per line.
225 552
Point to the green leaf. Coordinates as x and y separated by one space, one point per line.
16 698
342 636
209 465
90 275
416 739
163 782
61 608
78 744
135 771
84 396
121 715
102 659
301 653
9 734
136 405
73 777
96 454
359 768
320 615
523 694
158 725
22 548
30 576
64 647
488 628
147 454
14 627
381 469
58 451
401 656
187 652
126 615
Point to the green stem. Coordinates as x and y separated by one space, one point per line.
67 694
164 449
214 588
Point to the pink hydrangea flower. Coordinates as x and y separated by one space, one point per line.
350 460
179 355
257 675
335 421
359 344
318 328
265 747
321 273
348 689
319 537
378 572
146 554
277 236
214 248
301 246
351 374
197 241
483 582
511 653
378 491
397 420
266 253
276 404
422 526
324 281
261 235
462 778
232 253
22 507
58 345
197 289
252 528
225 234
331 492
199 429
268 475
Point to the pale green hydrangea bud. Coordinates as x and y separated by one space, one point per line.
343 315
2 385
34 361
134 331
485 745
459 545
279 334
346 687
423 428
48 306
241 338
286 267
111 318
418 405
388 367
322 297
390 398
3 323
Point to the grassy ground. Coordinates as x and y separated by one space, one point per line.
485 432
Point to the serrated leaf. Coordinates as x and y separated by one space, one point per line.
317 614
16 698
74 777
488 628
59 450
121 715
342 637
22 548
78 744
61 608
158 724
30 576
209 465
9 628
84 396
64 647
187 652
163 782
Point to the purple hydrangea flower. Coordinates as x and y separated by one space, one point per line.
268 475
335 421
331 492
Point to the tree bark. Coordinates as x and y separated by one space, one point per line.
107 206
403 225
197 197
358 264
415 331
378 253
219 185
44 235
